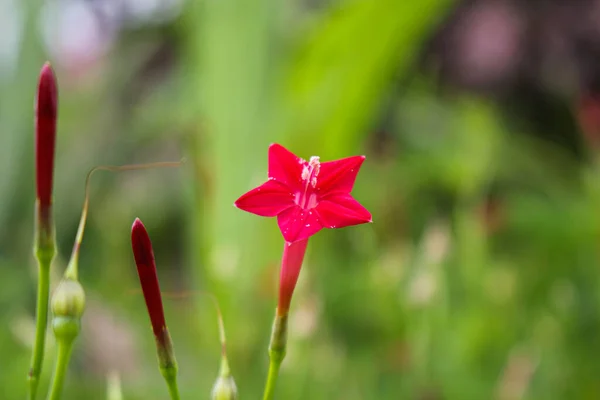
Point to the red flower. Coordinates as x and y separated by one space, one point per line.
307 196
146 268
45 135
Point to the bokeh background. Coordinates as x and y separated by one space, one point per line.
480 120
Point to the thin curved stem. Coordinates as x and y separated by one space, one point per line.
72 268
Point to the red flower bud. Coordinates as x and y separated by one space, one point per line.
146 268
45 135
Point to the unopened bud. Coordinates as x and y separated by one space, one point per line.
68 299
68 303
224 389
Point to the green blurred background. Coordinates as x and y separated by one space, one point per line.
479 278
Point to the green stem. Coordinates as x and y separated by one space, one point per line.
65 348
277 349
173 388
41 324
271 378
167 362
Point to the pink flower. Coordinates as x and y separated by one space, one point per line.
307 196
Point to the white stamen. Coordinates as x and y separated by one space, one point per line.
310 171
315 164
305 172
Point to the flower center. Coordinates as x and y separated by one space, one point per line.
308 198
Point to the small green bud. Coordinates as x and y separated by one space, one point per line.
68 299
68 302
224 389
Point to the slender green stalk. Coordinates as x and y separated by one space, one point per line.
167 362
271 379
65 348
37 357
277 349
173 388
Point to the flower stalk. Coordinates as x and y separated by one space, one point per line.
46 106
277 350
65 348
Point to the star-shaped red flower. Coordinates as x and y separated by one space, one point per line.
307 196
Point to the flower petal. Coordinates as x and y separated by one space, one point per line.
267 200
338 175
285 166
297 224
340 210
